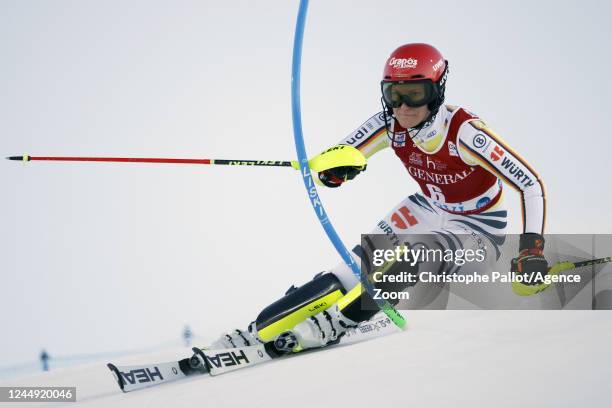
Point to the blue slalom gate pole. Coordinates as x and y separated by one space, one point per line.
313 194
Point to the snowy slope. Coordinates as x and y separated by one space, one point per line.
445 358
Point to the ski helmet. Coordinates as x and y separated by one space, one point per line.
415 74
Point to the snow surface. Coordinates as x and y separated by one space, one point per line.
445 358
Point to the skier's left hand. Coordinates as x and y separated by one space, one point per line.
531 258
320 330
334 177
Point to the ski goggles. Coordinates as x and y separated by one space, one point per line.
412 93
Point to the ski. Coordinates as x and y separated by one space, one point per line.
134 377
215 362
225 360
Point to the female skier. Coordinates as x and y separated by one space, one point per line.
459 164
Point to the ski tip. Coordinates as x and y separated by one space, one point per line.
198 352
19 158
118 376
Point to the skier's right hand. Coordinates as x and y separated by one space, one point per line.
334 177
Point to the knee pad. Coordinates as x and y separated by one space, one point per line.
297 305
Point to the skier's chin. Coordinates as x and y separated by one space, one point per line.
409 121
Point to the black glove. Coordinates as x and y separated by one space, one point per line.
336 176
531 258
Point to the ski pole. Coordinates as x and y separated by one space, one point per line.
563 266
524 289
590 262
231 162
336 156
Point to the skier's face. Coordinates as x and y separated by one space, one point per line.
410 117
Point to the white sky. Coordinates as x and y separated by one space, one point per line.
99 257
